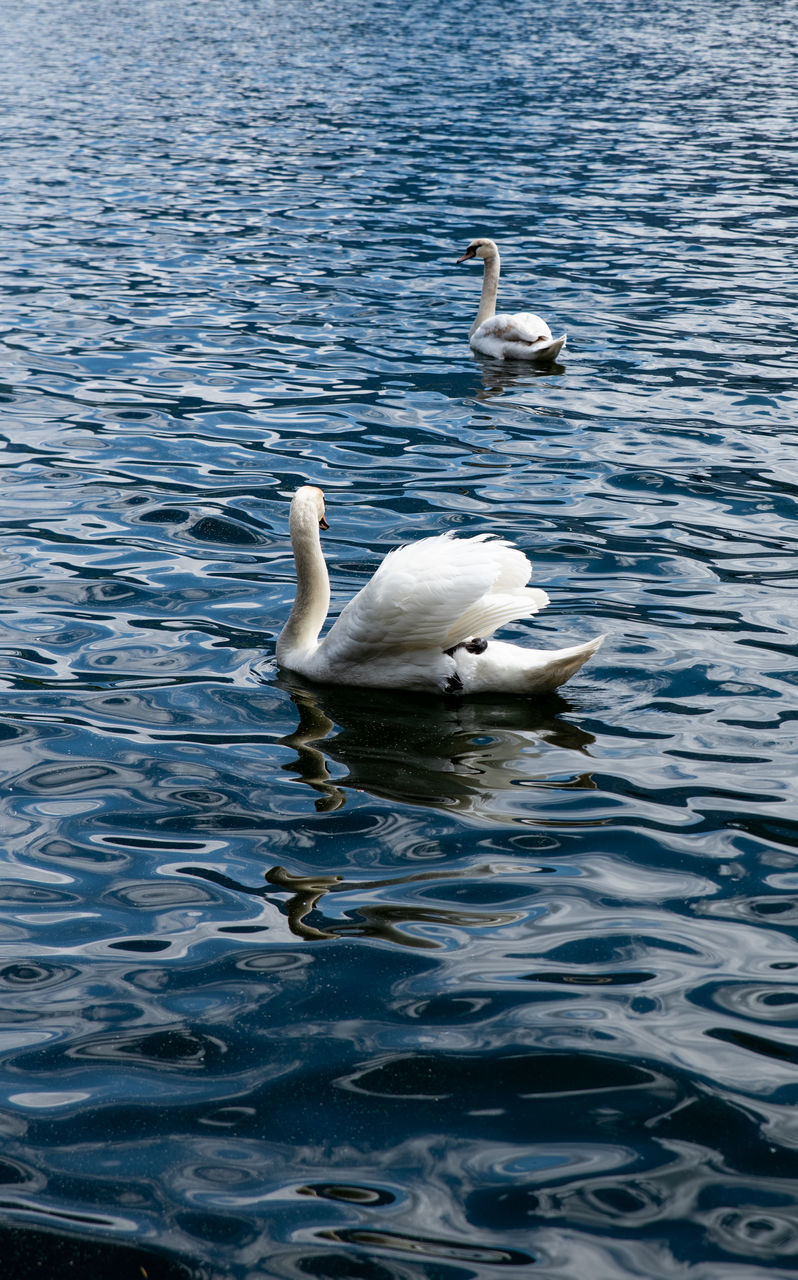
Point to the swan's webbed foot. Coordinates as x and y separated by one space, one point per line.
477 645
453 684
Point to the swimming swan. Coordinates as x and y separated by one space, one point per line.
522 336
420 623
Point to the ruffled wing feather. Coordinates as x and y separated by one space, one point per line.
432 595
522 336
523 326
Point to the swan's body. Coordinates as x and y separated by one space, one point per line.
522 336
421 621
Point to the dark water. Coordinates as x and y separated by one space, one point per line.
301 982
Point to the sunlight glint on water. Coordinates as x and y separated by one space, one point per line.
316 982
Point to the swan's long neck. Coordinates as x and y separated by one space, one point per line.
312 603
490 287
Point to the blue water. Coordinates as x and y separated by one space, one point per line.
300 982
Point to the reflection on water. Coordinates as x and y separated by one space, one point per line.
374 919
301 982
499 376
453 754
395 909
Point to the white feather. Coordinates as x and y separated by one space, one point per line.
522 336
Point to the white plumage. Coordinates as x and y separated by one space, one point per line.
522 336
422 621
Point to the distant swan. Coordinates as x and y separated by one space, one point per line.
422 620
522 336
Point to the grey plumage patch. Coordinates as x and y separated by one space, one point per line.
477 645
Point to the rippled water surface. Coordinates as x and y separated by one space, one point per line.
308 982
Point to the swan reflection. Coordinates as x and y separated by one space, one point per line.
402 909
369 918
499 376
458 755
475 758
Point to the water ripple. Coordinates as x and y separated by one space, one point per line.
318 982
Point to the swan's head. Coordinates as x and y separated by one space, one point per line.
307 504
481 248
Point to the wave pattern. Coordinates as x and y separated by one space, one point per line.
309 982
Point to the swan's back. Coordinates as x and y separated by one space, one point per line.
521 336
433 595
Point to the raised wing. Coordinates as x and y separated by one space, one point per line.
432 595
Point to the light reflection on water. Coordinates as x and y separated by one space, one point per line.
304 981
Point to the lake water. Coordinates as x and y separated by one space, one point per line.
300 982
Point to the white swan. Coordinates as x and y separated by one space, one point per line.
420 623
522 336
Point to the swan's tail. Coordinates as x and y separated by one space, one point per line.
558 666
507 668
552 350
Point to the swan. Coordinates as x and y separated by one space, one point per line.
422 620
522 336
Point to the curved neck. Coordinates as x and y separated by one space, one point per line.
490 286
312 601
